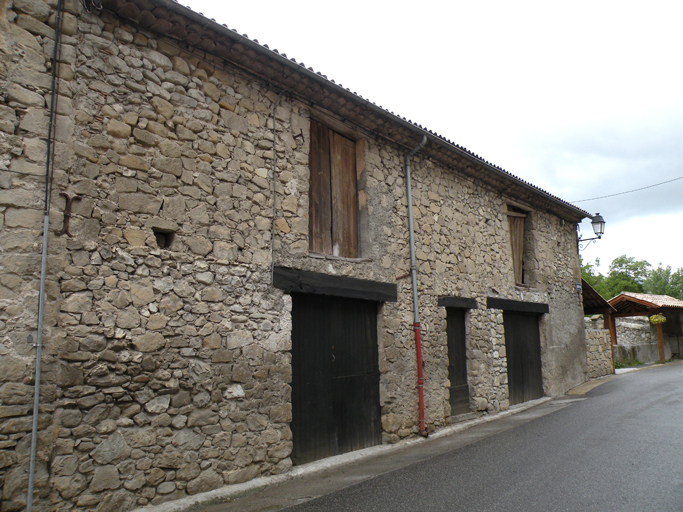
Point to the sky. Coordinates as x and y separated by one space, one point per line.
583 99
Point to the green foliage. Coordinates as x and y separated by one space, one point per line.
662 281
625 275
657 319
631 275
590 274
627 363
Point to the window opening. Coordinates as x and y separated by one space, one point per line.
516 220
333 193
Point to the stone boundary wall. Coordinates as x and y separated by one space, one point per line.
598 352
167 352
637 339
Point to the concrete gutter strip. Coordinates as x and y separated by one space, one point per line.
224 494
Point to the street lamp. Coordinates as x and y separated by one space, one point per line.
598 224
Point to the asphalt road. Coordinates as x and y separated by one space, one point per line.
619 448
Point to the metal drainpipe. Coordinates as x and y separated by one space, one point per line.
49 170
416 308
272 228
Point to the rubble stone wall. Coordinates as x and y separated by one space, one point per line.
599 352
637 340
166 361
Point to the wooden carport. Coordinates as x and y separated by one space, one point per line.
642 304
593 303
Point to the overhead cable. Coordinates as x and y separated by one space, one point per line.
628 191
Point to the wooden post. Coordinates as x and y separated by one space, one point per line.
660 342
610 323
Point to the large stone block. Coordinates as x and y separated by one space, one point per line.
14 393
7 459
162 107
149 342
158 405
35 8
8 119
34 26
13 368
129 318
202 417
105 477
118 129
134 162
36 121
142 292
28 98
21 198
199 245
159 60
206 481
111 450
140 203
79 302
170 149
69 486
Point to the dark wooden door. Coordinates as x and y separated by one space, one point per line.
523 349
457 361
335 376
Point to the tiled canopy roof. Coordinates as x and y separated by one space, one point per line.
171 19
644 303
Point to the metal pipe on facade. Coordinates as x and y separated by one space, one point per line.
49 171
413 273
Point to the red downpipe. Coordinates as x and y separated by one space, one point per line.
420 381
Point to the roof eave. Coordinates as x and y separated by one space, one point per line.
517 187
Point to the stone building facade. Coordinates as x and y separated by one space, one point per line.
167 351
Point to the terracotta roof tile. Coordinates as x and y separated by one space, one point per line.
662 301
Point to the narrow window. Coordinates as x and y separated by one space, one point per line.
516 218
333 194
164 238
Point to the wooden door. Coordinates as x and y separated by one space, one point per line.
335 376
457 361
523 349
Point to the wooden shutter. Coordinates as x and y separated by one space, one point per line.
516 222
333 196
344 197
320 209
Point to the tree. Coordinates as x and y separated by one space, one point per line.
625 275
631 275
590 274
662 281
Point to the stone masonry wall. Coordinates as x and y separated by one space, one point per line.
599 352
166 362
637 340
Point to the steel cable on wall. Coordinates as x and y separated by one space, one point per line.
49 176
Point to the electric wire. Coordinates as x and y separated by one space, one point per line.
629 191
